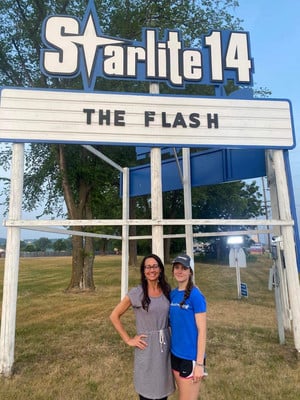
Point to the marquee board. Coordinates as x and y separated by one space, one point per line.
50 116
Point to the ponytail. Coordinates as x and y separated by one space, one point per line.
188 290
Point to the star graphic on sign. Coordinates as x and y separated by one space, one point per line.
91 41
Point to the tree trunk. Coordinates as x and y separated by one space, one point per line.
88 265
82 247
77 262
82 277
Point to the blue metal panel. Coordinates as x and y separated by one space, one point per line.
293 206
139 181
207 168
245 164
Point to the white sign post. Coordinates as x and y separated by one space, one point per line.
237 259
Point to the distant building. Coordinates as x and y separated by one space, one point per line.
2 253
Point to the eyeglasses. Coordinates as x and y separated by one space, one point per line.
148 267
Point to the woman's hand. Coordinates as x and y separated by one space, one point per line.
138 342
198 373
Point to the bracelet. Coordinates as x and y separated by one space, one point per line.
199 365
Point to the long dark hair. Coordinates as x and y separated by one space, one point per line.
162 281
188 288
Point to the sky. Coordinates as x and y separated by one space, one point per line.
274 28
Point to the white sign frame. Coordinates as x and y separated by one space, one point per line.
62 116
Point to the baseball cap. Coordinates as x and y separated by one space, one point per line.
183 259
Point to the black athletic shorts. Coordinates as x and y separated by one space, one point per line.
184 367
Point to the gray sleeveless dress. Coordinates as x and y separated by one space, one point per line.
153 376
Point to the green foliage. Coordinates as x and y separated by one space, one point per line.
57 173
235 200
62 245
28 247
43 244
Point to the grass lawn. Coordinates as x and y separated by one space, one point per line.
66 348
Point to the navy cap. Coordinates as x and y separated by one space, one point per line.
183 259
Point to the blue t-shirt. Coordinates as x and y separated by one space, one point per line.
184 332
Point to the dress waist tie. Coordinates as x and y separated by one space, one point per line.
162 340
161 337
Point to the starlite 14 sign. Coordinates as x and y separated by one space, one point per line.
74 47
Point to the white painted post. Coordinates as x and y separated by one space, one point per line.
125 233
186 162
276 231
283 288
156 193
238 273
278 298
11 272
156 203
288 244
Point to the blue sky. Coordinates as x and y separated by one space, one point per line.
274 27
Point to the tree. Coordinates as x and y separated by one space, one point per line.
55 172
43 244
236 200
60 245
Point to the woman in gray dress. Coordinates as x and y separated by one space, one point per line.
153 379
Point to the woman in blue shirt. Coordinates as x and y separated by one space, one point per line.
188 330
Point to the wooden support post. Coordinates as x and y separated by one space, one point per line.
156 203
187 202
156 193
125 233
11 271
288 243
276 232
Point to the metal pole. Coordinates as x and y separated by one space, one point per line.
187 201
266 209
11 271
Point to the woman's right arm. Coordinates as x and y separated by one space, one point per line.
115 318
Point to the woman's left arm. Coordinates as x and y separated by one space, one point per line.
201 344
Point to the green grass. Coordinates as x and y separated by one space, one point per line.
66 348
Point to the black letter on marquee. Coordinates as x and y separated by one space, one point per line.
194 118
179 120
165 124
212 120
104 117
149 116
119 118
89 112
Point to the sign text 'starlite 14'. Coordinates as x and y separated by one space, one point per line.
74 46
128 119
